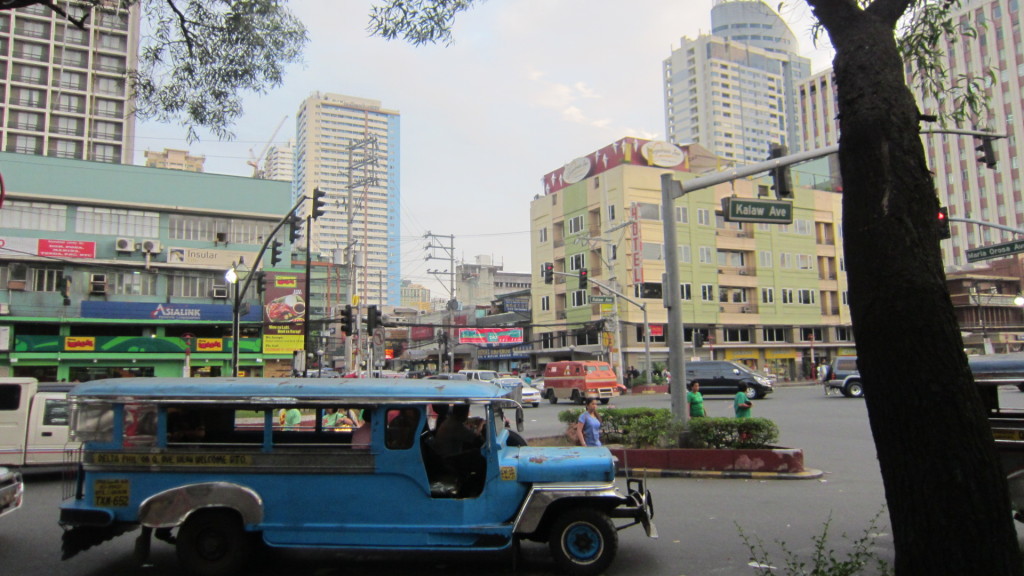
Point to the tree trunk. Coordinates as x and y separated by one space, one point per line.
948 503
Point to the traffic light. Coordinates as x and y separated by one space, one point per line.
782 183
943 223
319 203
583 278
275 253
698 340
346 320
988 154
294 228
548 270
372 318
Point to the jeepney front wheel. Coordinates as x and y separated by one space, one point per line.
583 541
213 543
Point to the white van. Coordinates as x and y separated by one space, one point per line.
33 422
481 375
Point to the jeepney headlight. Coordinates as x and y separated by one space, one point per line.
92 422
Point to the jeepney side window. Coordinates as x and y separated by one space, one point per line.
92 422
10 396
402 426
139 424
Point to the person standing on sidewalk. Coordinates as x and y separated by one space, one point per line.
696 401
741 404
589 429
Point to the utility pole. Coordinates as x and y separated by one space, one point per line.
363 158
434 245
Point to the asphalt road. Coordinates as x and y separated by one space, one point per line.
699 520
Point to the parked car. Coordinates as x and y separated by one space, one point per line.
528 394
447 376
721 377
481 375
844 376
11 491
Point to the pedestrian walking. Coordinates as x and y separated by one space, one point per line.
696 401
741 404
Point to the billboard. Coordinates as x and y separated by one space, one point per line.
490 336
284 310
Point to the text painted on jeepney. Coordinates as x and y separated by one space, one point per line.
110 493
508 473
172 459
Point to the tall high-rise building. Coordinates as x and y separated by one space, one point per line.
969 188
279 163
733 91
348 147
65 92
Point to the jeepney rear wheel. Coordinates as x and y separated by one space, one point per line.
583 541
605 400
576 398
552 397
213 543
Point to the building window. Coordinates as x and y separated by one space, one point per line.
767 295
684 254
577 262
707 292
652 251
787 295
545 303
104 153
706 254
117 222
773 334
611 212
764 259
134 283
579 298
812 335
804 262
65 149
46 279
24 144
686 291
190 286
736 335
703 217
542 235
785 260
648 211
33 216
576 224
844 334
682 214
647 290
806 296
654 337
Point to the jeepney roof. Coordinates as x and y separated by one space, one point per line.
997 368
287 390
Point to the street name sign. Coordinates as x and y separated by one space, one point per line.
602 299
995 251
763 211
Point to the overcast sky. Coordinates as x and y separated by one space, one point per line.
527 86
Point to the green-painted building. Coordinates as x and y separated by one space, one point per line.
113 270
772 296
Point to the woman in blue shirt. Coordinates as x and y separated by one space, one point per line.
589 429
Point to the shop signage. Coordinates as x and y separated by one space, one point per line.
285 306
79 344
164 311
490 336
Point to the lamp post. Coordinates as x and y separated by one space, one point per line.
234 276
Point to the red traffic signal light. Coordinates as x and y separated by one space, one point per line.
549 272
943 223
583 278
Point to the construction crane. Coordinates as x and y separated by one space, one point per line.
254 160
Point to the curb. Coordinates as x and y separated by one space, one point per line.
807 474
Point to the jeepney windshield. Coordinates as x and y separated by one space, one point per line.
92 422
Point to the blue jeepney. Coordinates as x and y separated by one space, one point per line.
218 465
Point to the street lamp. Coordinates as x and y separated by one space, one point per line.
235 275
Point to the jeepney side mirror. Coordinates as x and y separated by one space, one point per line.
519 419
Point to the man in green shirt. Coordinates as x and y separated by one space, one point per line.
741 404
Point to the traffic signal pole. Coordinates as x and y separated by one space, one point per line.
647 327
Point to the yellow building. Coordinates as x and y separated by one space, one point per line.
772 296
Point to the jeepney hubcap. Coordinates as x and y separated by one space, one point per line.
583 542
212 544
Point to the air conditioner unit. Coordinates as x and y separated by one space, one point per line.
220 292
98 284
151 246
124 245
222 236
746 309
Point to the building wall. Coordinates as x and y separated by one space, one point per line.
362 203
116 270
729 269
279 163
175 160
64 91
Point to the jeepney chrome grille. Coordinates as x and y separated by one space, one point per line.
71 471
